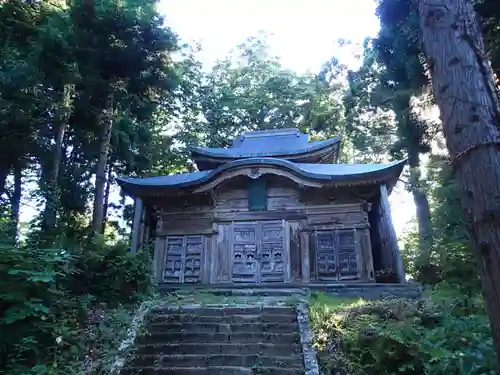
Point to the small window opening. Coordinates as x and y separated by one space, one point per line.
257 194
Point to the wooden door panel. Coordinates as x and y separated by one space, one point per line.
348 254
192 262
336 254
245 253
271 252
326 256
172 272
183 259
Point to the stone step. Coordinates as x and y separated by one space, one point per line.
224 328
236 318
221 370
279 350
217 360
235 290
205 337
224 311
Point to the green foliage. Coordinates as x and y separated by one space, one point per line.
48 295
443 333
251 90
451 255
112 272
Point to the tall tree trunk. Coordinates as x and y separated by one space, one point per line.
100 176
106 199
422 207
49 216
4 173
463 86
15 203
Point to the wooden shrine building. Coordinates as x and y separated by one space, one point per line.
273 208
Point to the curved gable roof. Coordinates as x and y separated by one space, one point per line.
280 143
270 148
325 173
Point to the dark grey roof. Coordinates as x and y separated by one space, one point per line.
263 143
319 172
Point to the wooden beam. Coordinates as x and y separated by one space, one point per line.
388 239
136 224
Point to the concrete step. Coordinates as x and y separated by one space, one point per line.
206 337
224 327
160 318
218 360
220 370
279 350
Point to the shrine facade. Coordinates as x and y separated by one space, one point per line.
274 208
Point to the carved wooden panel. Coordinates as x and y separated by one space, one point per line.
173 269
272 252
183 259
258 252
326 256
336 255
245 253
348 254
192 260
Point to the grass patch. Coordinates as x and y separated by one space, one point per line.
442 333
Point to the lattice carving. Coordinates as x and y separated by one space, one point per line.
348 254
336 255
183 259
258 252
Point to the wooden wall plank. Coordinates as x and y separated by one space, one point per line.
206 260
136 224
159 259
305 252
294 250
223 254
363 238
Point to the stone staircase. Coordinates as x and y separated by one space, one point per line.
219 341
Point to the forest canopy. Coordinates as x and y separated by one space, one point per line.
90 92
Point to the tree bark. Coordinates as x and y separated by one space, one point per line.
4 173
15 203
50 213
463 86
106 199
100 176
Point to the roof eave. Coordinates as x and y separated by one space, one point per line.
388 175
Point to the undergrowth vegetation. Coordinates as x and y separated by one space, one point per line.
443 333
64 310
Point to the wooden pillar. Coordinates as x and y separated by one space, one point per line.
136 225
391 256
365 249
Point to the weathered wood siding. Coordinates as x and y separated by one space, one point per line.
304 235
281 194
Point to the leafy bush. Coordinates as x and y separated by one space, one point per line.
444 333
112 274
49 296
